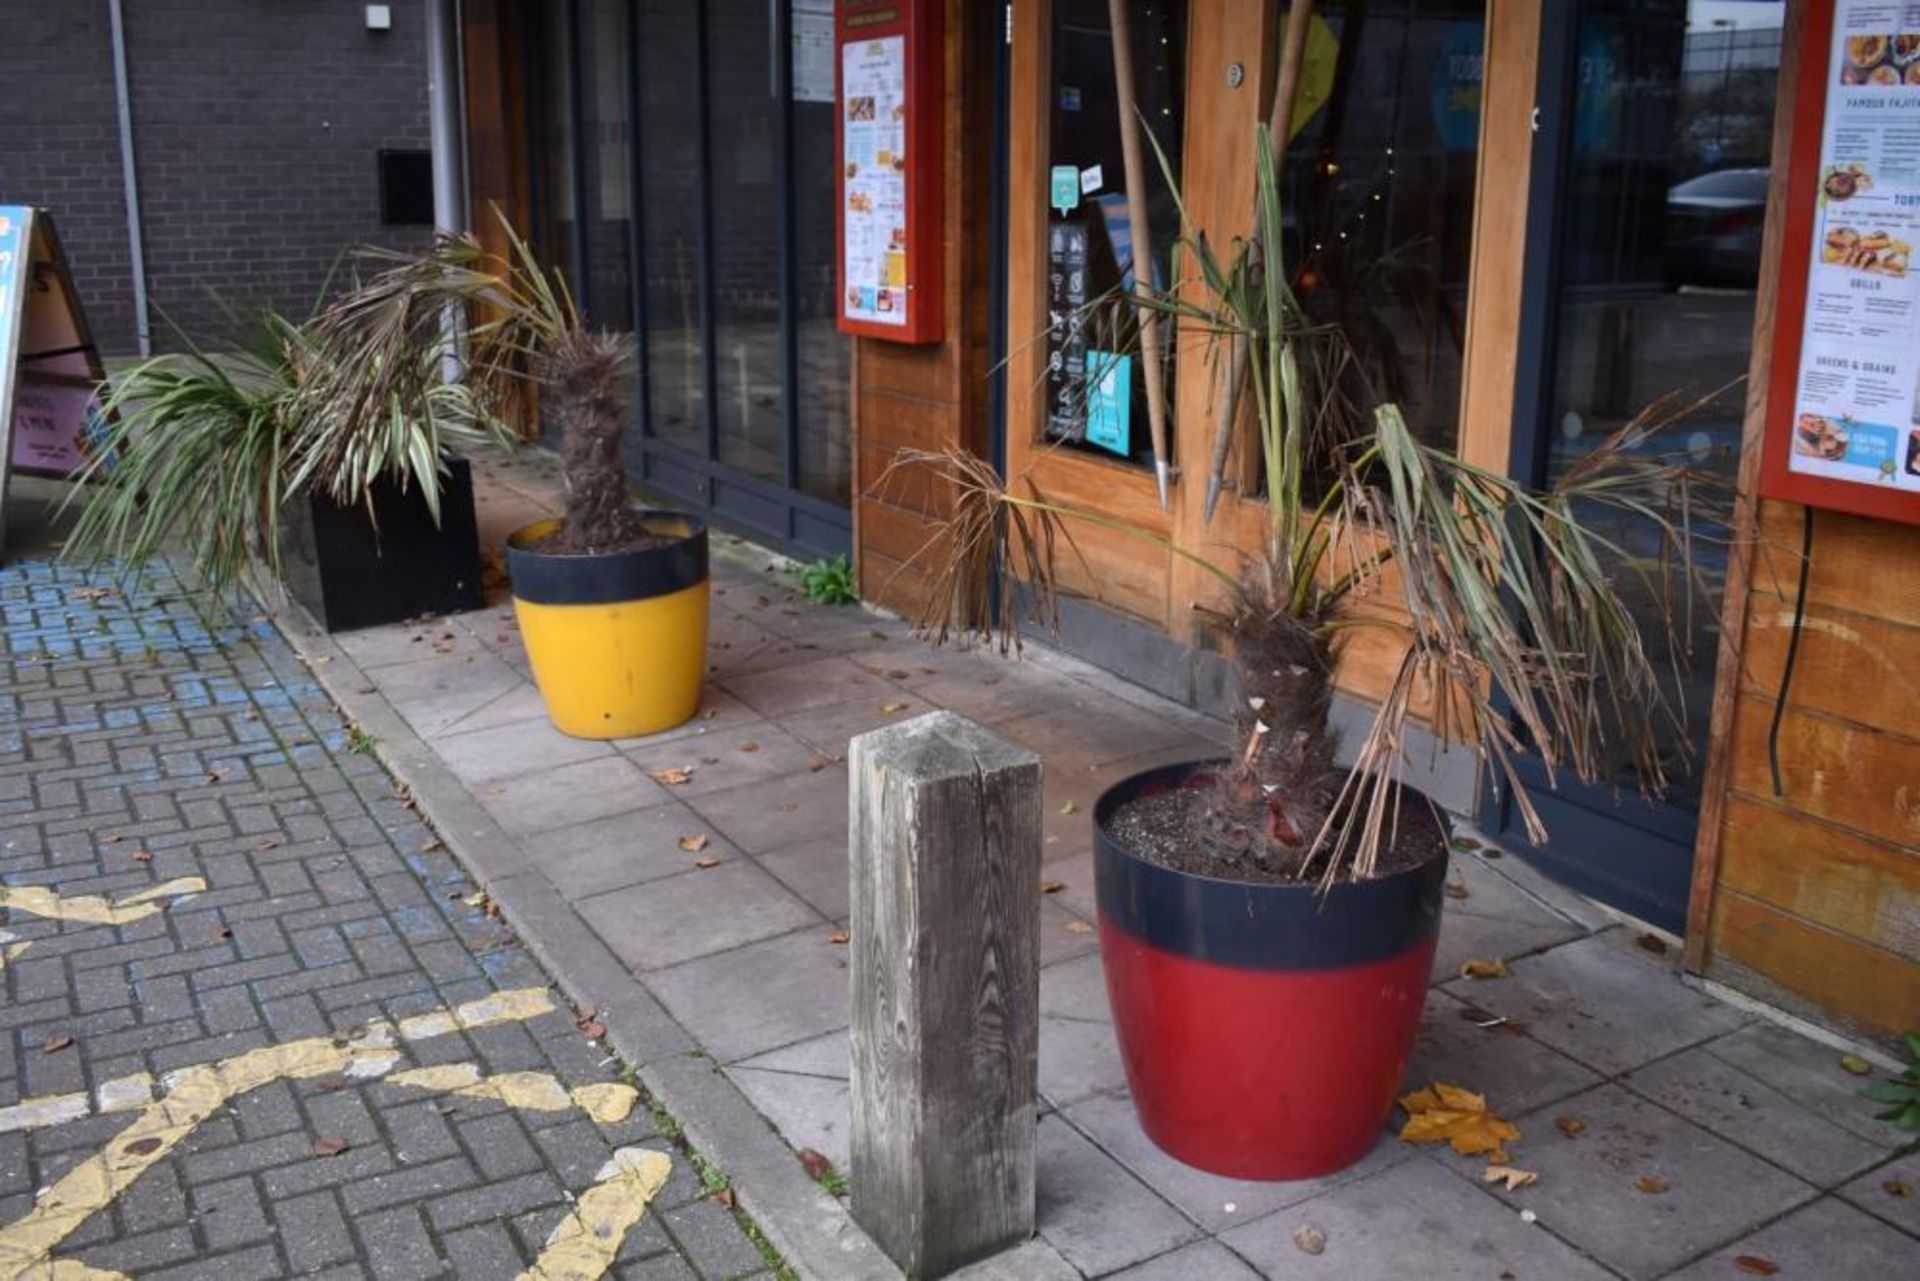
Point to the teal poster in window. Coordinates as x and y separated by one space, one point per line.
1110 401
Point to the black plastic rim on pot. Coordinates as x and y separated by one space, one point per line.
1264 925
541 578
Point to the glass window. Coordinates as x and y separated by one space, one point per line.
675 379
1096 391
1378 190
1665 203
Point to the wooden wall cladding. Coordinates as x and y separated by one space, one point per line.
1815 901
932 396
1809 898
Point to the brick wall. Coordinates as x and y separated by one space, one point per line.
257 128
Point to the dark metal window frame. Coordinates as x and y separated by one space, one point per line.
1618 847
775 512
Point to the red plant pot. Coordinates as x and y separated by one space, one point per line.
1265 1027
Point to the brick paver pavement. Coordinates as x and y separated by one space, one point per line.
151 741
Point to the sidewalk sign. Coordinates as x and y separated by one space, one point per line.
50 370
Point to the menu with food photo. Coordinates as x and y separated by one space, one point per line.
1857 400
873 80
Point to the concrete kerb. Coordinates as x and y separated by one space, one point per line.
810 1228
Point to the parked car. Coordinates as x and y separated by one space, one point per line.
1714 223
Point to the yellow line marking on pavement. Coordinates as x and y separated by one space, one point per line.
606 1103
192 1095
91 909
583 1246
9 949
48 1109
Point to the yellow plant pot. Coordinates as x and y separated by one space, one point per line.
618 642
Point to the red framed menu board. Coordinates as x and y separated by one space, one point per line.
887 143
1843 397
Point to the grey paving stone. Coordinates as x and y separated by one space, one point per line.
1747 1111
1809 1073
1891 1192
817 871
1029 1261
398 1246
759 817
1826 1239
1515 1071
1604 1002
1588 1189
1203 1259
808 1111
479 756
1078 1057
1214 1202
724 756
540 800
1411 1220
829 1055
792 687
584 859
759 997
694 914
1075 989
313 1232
1094 1211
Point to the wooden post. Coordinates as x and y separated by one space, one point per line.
944 824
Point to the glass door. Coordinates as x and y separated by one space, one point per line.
682 173
1648 203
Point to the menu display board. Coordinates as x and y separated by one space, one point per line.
888 101
1844 398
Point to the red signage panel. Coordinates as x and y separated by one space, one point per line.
888 99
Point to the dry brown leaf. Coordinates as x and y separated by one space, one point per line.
724 1196
836 936
109 840
1856 1065
1052 887
56 1043
694 843
1651 1184
1454 890
1571 1126
265 843
1755 1266
1483 968
143 1147
889 709
816 1165
1308 1239
429 845
1896 1187
672 776
1079 927
816 764
1070 808
593 1029
143 856
1514 1179
1458 1117
706 861
1651 942
749 746
329 1146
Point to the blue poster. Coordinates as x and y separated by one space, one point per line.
1110 401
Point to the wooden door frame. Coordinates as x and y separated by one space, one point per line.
1218 186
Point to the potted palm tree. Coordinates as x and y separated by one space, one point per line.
1269 920
612 600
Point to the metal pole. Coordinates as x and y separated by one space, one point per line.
447 138
130 181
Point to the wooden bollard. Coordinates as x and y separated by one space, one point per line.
945 835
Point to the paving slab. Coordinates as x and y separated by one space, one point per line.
583 860
759 997
1810 1073
768 815
541 800
1890 1191
1589 1190
1745 1110
696 913
1094 1211
1516 1072
1413 1219
1203 1259
1215 1203
1602 1001
1826 1239
809 1111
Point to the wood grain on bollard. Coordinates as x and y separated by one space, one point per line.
945 851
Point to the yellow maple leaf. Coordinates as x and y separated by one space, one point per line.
1456 1116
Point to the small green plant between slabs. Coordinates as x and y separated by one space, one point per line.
359 741
828 582
1902 1093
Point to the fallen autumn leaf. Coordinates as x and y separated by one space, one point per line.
1571 1126
672 776
694 843
1651 1184
1514 1179
1483 968
1458 1117
1755 1266
329 1147
1309 1239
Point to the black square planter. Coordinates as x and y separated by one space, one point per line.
350 574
